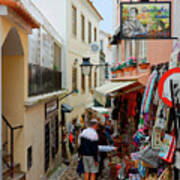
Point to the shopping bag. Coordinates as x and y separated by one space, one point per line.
168 148
80 167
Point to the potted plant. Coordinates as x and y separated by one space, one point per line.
143 63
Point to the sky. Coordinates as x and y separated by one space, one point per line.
105 9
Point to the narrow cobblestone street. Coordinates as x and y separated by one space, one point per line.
71 174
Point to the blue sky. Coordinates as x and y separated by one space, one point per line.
105 9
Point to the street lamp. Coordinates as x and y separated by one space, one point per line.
86 66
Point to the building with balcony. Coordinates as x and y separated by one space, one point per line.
32 60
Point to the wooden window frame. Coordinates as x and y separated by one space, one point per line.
95 34
74 24
74 78
89 32
82 27
82 82
95 79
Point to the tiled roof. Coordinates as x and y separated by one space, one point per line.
21 11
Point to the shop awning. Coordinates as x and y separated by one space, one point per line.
100 93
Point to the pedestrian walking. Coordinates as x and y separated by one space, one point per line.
89 150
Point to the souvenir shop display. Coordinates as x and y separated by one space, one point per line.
156 139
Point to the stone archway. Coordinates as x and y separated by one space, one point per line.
12 45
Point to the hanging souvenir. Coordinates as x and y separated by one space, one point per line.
161 116
175 57
147 97
156 141
168 148
143 171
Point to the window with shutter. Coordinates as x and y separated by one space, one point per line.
82 82
74 78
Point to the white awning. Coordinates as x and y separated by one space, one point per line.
101 92
113 86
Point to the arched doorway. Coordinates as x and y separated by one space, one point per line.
12 98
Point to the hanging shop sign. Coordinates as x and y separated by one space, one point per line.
51 107
164 87
145 20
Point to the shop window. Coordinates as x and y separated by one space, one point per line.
74 78
74 21
29 157
89 33
82 28
82 82
47 147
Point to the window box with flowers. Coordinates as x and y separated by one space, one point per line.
119 69
131 64
143 64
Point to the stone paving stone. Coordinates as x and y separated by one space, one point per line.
71 174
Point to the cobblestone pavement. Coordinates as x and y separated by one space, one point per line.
71 174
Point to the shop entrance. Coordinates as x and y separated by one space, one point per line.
51 133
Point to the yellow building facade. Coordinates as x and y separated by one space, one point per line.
30 125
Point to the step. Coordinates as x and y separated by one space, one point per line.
7 171
17 176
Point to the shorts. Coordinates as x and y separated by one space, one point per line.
89 165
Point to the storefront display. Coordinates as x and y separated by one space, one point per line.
155 139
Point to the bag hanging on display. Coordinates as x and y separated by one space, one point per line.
168 148
156 141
